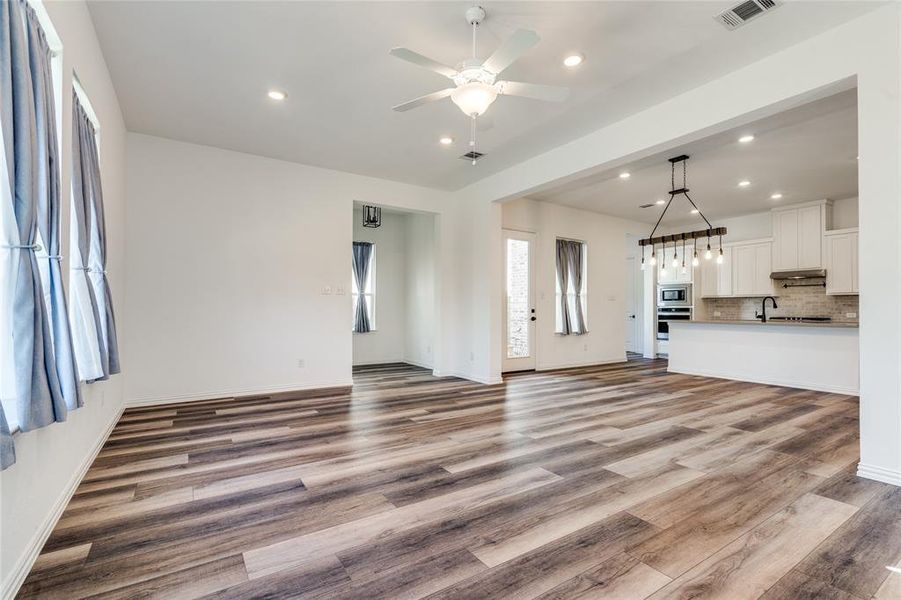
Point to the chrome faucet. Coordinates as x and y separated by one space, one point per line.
762 315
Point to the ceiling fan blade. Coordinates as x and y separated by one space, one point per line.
548 93
424 99
513 48
423 61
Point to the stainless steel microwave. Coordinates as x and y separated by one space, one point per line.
678 294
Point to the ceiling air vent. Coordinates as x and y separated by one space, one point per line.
740 14
472 155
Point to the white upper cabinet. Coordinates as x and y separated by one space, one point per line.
841 262
716 279
798 236
675 275
751 268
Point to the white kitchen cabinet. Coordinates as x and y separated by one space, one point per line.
675 275
716 279
751 267
798 236
841 262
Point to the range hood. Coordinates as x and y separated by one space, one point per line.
802 274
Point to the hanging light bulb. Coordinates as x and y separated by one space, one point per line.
708 255
642 258
719 257
675 256
653 260
694 259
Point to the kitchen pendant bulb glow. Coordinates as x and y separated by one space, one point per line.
653 259
708 255
684 271
663 268
642 264
675 261
694 261
719 257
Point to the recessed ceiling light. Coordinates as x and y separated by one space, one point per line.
776 196
625 175
446 140
744 183
694 211
661 201
746 138
277 94
573 60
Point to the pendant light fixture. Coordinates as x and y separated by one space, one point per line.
372 216
685 235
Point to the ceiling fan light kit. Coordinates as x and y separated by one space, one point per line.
475 81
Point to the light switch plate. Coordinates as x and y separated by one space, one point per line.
326 290
850 315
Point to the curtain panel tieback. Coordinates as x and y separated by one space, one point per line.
32 247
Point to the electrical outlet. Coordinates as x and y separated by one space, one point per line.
301 363
717 313
326 290
339 291
851 315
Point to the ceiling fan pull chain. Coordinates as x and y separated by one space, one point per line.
472 138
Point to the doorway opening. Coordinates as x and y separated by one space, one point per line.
393 300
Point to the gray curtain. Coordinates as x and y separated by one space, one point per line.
90 228
565 327
38 396
569 271
49 216
574 260
361 257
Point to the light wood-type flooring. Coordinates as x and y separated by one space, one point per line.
615 481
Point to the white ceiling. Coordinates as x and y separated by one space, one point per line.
806 153
199 72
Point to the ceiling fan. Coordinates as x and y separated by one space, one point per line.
476 81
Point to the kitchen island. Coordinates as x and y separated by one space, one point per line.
814 356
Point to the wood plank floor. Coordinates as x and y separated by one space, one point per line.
616 481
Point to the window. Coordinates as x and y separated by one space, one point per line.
363 287
572 287
91 311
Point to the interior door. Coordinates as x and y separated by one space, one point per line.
519 301
633 306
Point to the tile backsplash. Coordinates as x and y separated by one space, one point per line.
793 302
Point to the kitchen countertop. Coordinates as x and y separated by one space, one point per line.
842 324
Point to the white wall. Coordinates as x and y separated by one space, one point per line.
845 213
50 461
230 297
385 344
865 51
606 280
421 280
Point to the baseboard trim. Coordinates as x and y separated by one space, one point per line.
416 363
803 385
233 393
879 474
17 577
468 377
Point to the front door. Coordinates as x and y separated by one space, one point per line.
633 306
519 301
